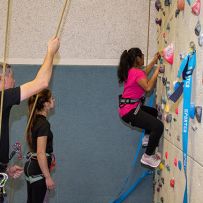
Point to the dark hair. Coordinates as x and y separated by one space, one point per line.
127 60
43 96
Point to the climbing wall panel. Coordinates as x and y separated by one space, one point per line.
179 35
170 179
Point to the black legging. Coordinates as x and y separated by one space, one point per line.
146 119
35 191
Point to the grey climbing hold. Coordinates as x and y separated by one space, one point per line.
200 40
198 28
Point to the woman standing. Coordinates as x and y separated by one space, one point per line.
40 142
131 108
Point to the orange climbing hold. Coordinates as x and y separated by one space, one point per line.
181 5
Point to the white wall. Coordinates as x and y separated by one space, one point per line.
94 31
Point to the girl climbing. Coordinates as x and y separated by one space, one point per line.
131 108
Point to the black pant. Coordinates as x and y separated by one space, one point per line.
35 191
146 118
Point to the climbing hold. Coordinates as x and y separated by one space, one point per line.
163 100
200 40
159 115
167 2
175 162
162 200
192 46
178 138
162 69
158 5
194 128
158 189
176 111
168 168
163 161
158 172
169 93
196 7
192 111
168 27
162 180
168 118
179 165
164 80
198 113
168 53
168 84
177 13
158 21
198 28
172 182
189 2
166 155
161 167
181 5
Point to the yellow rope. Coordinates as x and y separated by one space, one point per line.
4 65
56 35
62 14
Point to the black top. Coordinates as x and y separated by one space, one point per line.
41 127
11 97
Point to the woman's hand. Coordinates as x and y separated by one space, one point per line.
50 183
156 57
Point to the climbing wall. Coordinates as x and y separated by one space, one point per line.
179 33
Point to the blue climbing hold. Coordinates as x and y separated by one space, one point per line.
179 165
192 111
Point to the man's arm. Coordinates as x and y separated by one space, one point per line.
43 76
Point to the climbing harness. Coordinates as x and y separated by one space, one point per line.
3 179
123 101
16 150
33 156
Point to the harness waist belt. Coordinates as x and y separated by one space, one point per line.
34 178
129 100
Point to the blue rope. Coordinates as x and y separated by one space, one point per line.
124 195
